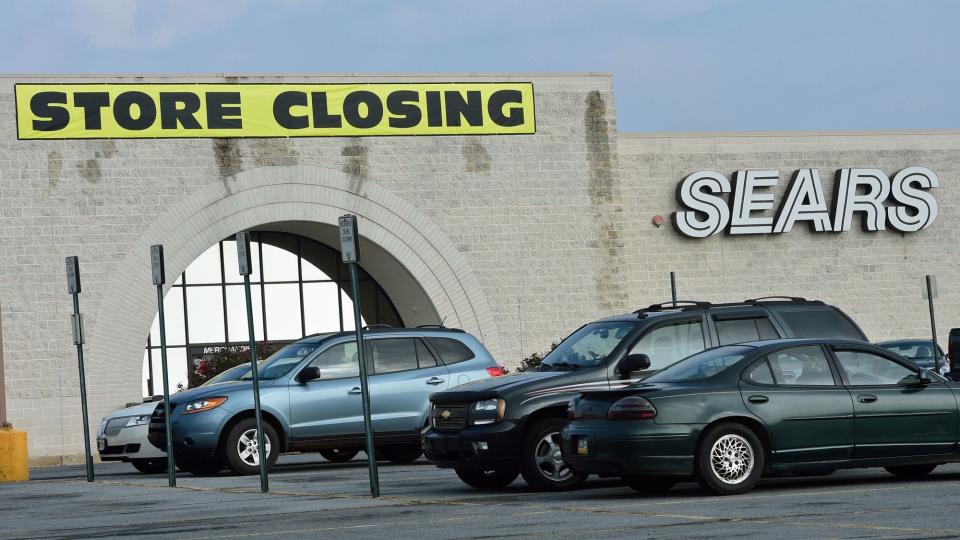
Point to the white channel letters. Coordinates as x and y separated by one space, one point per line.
903 203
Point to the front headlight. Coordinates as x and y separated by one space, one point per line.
141 420
488 411
205 404
103 424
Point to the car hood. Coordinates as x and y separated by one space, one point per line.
219 389
506 385
136 410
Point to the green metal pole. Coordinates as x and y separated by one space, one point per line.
168 422
261 448
83 393
364 387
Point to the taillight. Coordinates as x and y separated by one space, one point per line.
572 409
631 408
497 371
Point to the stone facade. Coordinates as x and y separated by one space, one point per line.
517 239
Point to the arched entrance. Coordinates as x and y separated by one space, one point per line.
427 279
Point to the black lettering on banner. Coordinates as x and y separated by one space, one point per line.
497 102
434 110
470 109
321 116
351 109
407 114
281 110
220 113
91 103
171 114
43 106
123 110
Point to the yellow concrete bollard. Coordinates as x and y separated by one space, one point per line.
14 464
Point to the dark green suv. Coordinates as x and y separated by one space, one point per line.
491 431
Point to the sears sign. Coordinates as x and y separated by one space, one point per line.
714 204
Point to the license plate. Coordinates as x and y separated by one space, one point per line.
582 447
101 444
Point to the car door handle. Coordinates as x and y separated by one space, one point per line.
355 390
758 399
866 398
434 380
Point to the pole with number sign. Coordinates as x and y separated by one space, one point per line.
73 287
159 278
350 254
246 263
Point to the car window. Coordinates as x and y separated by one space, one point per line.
802 366
667 344
282 361
741 330
338 361
864 368
451 351
819 323
702 365
390 355
760 373
425 358
589 345
914 350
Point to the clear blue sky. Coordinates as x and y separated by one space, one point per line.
678 65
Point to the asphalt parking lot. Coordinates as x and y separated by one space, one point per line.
310 497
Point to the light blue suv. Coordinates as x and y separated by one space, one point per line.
310 398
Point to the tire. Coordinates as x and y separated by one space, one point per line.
730 459
491 479
240 447
339 455
912 471
399 453
197 465
540 461
149 466
649 484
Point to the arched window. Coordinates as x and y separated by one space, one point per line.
299 287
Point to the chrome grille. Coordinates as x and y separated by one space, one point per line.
449 417
114 425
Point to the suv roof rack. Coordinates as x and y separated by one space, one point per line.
376 326
775 297
679 304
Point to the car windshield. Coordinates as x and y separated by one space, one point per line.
912 350
232 374
702 365
282 361
588 346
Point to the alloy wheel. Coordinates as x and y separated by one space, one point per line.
247 448
732 459
549 459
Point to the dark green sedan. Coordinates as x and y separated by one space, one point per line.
729 415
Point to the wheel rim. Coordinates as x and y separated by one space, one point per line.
549 460
247 448
732 459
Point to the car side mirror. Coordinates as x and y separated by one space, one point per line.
631 363
916 380
308 374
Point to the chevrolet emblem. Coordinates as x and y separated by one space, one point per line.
445 415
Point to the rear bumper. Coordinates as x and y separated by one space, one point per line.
621 449
465 449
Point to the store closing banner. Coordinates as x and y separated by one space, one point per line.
135 111
902 203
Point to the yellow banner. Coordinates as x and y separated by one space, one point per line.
137 111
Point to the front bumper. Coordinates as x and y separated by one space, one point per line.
131 443
464 449
616 448
197 433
